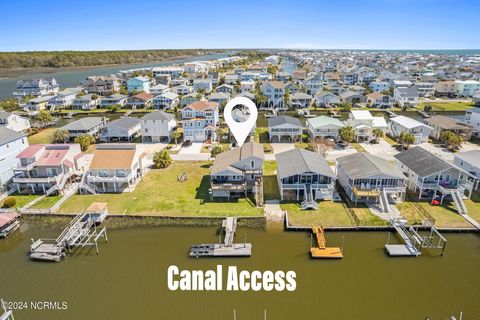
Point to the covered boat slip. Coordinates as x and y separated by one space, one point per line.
81 232
8 223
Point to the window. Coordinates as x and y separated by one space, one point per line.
252 164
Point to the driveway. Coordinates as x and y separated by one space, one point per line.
191 157
194 148
381 149
338 152
442 152
282 147
151 148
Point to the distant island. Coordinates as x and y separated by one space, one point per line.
69 59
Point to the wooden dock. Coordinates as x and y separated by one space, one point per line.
321 251
225 249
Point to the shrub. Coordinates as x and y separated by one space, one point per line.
9 202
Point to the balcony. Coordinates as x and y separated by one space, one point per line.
231 186
98 179
50 180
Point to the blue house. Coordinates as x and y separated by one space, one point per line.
138 84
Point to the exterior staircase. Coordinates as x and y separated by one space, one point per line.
309 203
259 192
384 201
458 201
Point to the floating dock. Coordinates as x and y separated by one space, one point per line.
225 249
321 251
408 247
81 232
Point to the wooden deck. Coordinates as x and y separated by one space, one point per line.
321 251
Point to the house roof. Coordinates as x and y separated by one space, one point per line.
348 94
169 95
300 95
474 110
143 96
321 121
379 122
115 96
218 95
83 123
375 95
275 121
225 160
362 114
276 84
408 91
298 161
8 217
30 151
447 123
126 122
362 165
472 157
422 162
203 105
407 122
117 156
51 157
158 115
8 135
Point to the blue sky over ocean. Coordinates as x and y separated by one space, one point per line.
375 24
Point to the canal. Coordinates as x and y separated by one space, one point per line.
73 78
127 280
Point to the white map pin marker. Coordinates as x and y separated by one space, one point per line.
240 130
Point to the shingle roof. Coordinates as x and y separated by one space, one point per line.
363 165
126 122
158 115
8 135
202 105
226 159
297 161
113 157
275 121
447 123
83 123
422 162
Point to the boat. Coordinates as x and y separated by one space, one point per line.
8 223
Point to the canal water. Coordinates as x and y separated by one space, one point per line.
127 280
74 77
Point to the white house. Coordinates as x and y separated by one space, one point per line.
324 127
406 96
274 91
401 124
472 118
35 87
304 176
157 126
85 102
124 129
326 99
379 100
300 100
284 129
11 144
14 122
112 100
167 100
364 123
247 85
182 89
159 89
470 162
467 88
115 168
313 84
63 98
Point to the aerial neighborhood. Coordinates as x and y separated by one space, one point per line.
342 139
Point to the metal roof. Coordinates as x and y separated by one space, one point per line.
275 121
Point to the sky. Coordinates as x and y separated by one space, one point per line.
30 25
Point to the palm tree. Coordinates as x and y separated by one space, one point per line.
347 134
44 117
84 140
378 133
62 135
162 159
408 139
176 135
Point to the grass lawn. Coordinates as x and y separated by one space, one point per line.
367 218
261 136
410 212
22 200
328 214
447 106
473 206
159 193
390 140
46 135
445 215
270 183
46 202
